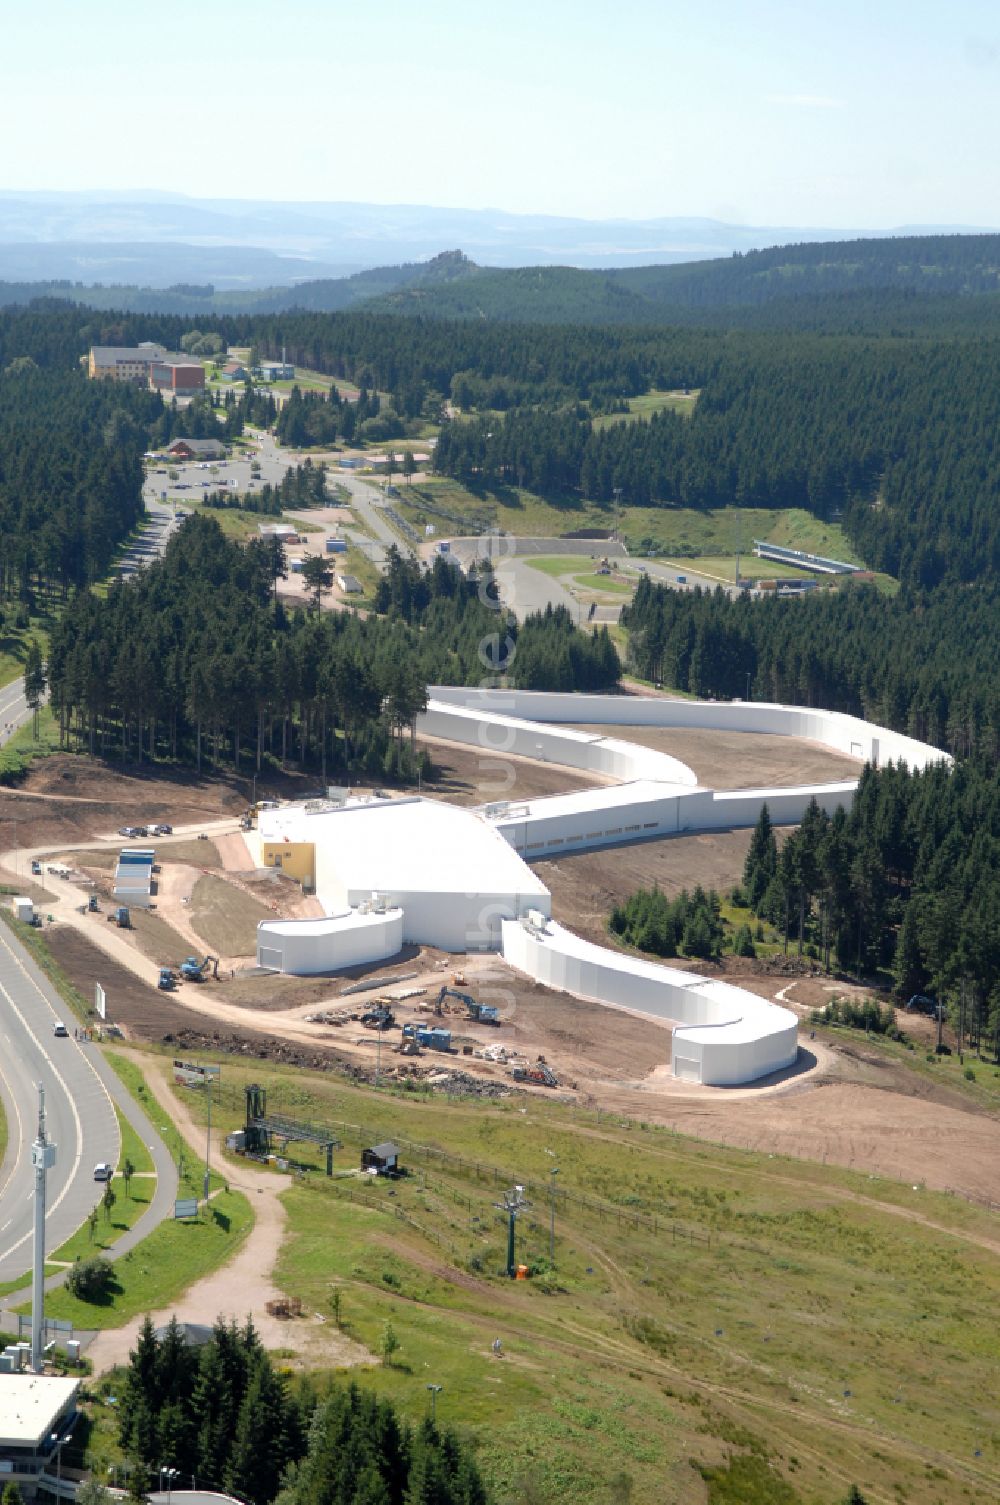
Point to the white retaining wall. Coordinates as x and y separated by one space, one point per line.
846 734
498 732
722 1035
304 948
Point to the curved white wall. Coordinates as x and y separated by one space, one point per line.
723 1035
846 734
304 948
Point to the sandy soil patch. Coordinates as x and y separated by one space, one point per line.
739 760
474 775
234 854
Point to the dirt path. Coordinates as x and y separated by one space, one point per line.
244 1285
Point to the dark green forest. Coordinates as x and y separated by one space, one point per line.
922 664
70 478
227 1419
906 883
195 659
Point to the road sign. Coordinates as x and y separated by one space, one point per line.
188 1074
100 1001
186 1207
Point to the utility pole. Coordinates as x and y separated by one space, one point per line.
514 1202
208 1138
940 1024
553 1173
43 1158
617 494
378 1054
435 1392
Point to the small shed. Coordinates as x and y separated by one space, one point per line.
23 909
349 584
383 1159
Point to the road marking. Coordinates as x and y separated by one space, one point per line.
20 1127
4 1254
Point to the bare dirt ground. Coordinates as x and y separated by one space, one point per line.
226 917
474 775
242 1287
585 886
740 760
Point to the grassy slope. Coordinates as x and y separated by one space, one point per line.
675 531
788 1285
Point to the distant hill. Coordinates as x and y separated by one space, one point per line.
904 284
794 276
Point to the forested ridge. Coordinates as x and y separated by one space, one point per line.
906 882
771 286
922 665
194 659
70 477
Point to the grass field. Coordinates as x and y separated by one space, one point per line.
581 572
833 1326
23 747
723 567
163 1265
14 645
175 1254
649 403
677 532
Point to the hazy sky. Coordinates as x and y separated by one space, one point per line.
863 113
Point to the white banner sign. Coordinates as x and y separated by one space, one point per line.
100 1001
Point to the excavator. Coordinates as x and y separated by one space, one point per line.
192 970
483 1013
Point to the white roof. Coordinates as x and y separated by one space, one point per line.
410 845
351 919
607 797
30 1405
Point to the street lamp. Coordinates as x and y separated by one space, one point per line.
58 1443
435 1392
553 1173
170 1474
748 684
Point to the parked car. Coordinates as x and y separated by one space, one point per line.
921 1004
160 830
59 1030
103 1171
132 831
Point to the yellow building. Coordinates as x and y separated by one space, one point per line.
295 858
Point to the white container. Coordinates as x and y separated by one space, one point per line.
23 908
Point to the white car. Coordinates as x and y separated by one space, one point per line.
59 1030
103 1171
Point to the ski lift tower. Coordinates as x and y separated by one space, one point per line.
514 1202
43 1158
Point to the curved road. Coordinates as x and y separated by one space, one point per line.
80 1090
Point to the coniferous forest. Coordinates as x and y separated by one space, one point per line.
887 426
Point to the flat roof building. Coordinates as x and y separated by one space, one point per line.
176 373
34 1410
449 869
123 362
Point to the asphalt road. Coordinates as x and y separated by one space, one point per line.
80 1089
14 711
80 1118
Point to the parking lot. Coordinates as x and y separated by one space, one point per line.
196 477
